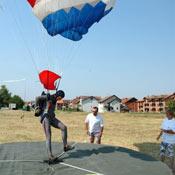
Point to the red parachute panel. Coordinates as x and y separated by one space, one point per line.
32 2
48 79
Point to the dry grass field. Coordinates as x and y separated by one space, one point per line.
130 130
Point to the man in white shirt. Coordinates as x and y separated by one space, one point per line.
94 126
168 137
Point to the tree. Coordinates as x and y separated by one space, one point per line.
4 96
17 100
171 105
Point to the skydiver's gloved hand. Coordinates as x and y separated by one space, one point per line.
37 111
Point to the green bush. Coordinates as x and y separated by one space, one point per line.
171 105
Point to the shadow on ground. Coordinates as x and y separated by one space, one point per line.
149 148
79 153
152 149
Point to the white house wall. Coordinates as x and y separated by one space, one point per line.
114 103
116 106
101 108
88 104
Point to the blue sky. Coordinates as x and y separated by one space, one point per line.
130 52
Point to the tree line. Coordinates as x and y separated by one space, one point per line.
6 98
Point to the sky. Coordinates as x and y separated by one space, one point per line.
129 53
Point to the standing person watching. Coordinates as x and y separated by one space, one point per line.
168 138
94 126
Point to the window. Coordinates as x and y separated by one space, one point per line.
161 109
153 104
146 109
160 104
153 109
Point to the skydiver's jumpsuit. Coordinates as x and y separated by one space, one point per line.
48 119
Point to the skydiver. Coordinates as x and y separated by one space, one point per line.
45 107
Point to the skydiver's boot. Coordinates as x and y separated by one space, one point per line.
52 160
68 148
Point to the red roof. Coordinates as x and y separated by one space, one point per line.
170 96
108 97
125 100
76 100
156 97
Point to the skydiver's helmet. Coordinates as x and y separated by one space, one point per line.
60 93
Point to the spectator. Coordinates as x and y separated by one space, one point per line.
94 126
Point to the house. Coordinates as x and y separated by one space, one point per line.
124 108
64 104
109 104
86 103
140 105
131 103
67 104
154 103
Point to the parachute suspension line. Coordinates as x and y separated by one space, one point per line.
47 82
69 56
45 44
90 13
47 59
71 50
66 54
57 85
25 43
8 16
59 57
12 16
47 56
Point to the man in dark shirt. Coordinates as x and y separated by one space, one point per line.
45 107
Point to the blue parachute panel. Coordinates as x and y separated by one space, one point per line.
76 23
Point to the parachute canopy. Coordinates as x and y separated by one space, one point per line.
70 18
48 79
